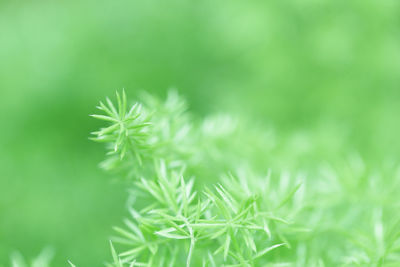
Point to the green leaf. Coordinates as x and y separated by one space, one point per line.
266 250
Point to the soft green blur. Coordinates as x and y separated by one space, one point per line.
295 65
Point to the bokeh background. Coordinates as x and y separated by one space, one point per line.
296 65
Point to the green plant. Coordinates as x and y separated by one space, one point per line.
200 193
174 219
199 196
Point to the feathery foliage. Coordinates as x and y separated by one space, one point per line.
175 220
222 192
201 196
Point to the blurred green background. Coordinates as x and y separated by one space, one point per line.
300 64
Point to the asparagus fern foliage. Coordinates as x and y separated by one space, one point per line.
222 192
200 195
175 220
